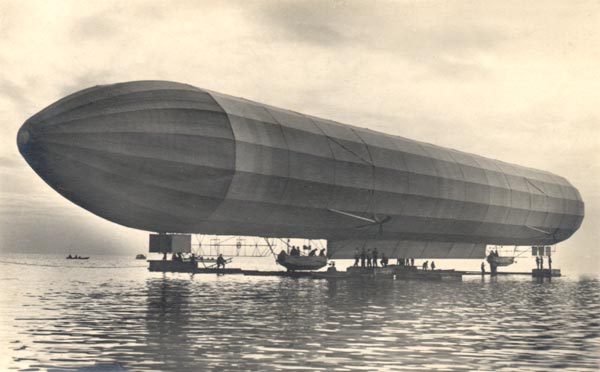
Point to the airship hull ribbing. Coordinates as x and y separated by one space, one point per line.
169 157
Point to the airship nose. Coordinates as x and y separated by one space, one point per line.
26 140
152 155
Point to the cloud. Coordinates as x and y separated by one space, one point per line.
307 22
15 94
502 79
11 161
447 46
101 25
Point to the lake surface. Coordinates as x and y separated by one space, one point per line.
110 313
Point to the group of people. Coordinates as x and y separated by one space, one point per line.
295 251
426 265
368 258
493 263
406 262
539 262
179 257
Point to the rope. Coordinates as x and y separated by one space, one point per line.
71 267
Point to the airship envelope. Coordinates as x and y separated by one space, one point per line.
169 157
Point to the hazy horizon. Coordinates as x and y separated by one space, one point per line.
506 80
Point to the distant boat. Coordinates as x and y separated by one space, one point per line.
301 262
76 258
140 257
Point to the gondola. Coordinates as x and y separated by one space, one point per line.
500 261
293 263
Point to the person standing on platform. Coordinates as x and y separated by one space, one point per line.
368 258
482 268
537 262
550 263
220 262
432 265
542 262
375 256
363 257
425 265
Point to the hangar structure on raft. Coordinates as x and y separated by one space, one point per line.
171 158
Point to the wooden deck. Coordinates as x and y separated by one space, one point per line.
393 271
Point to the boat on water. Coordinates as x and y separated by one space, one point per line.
69 257
140 257
293 263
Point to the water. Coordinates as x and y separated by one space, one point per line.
110 313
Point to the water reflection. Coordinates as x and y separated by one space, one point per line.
179 323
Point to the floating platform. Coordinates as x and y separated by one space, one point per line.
392 271
288 274
545 273
498 273
187 267
404 272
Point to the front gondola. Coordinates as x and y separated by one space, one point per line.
294 263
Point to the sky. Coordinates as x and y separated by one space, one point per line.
508 80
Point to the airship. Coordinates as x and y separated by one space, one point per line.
172 158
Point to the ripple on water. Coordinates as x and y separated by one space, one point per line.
145 322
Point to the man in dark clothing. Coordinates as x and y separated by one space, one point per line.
220 261
375 256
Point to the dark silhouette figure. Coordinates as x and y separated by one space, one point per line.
542 262
483 268
550 263
375 256
425 265
432 265
363 257
492 262
281 256
220 262
537 262
384 260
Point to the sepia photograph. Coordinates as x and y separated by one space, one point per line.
319 185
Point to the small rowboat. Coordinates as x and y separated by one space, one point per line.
77 258
301 262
